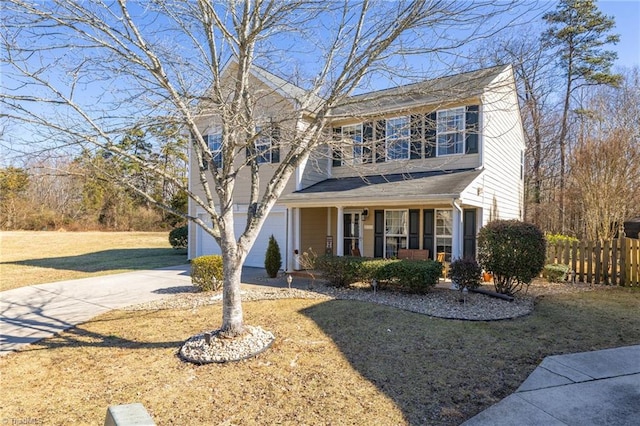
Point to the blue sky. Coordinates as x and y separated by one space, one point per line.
625 12
627 16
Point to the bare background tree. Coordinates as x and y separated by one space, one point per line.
92 75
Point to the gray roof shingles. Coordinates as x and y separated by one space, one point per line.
398 186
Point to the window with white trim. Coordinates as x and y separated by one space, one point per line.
398 132
354 133
396 230
450 131
263 146
444 232
215 145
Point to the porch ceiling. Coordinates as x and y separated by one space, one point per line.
384 189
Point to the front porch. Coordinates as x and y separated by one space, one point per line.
380 231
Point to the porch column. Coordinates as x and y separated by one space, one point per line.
296 237
340 233
456 240
290 228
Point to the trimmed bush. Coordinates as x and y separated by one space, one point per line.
204 269
179 237
555 272
272 259
414 276
513 251
340 271
466 273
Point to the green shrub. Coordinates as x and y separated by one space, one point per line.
466 273
414 276
272 259
340 271
555 272
179 237
513 251
204 269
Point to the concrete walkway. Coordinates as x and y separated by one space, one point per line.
590 388
587 388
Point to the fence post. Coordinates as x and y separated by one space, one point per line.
605 262
574 259
614 262
581 263
597 254
623 259
589 255
634 254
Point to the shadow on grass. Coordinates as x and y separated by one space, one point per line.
115 259
81 337
46 327
445 371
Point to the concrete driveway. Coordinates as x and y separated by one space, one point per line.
28 314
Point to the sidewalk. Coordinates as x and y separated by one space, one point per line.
587 388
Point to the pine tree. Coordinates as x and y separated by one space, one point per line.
578 31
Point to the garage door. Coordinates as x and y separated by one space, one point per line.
274 225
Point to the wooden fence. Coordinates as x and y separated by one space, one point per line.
615 262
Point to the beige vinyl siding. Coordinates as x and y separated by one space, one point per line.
313 231
503 143
317 167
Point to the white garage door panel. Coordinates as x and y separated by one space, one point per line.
274 225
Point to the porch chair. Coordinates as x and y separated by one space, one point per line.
445 265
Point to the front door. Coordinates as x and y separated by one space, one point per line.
352 234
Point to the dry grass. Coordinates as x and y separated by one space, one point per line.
334 362
28 258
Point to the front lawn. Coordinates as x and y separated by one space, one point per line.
333 362
29 257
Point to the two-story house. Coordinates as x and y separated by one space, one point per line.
420 166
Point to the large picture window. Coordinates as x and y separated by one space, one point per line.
396 226
450 131
398 134
444 232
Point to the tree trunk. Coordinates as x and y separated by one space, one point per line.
232 318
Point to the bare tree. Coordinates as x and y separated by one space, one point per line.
535 78
109 67
604 171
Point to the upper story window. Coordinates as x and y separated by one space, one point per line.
412 137
267 145
450 128
398 132
263 147
354 133
215 145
